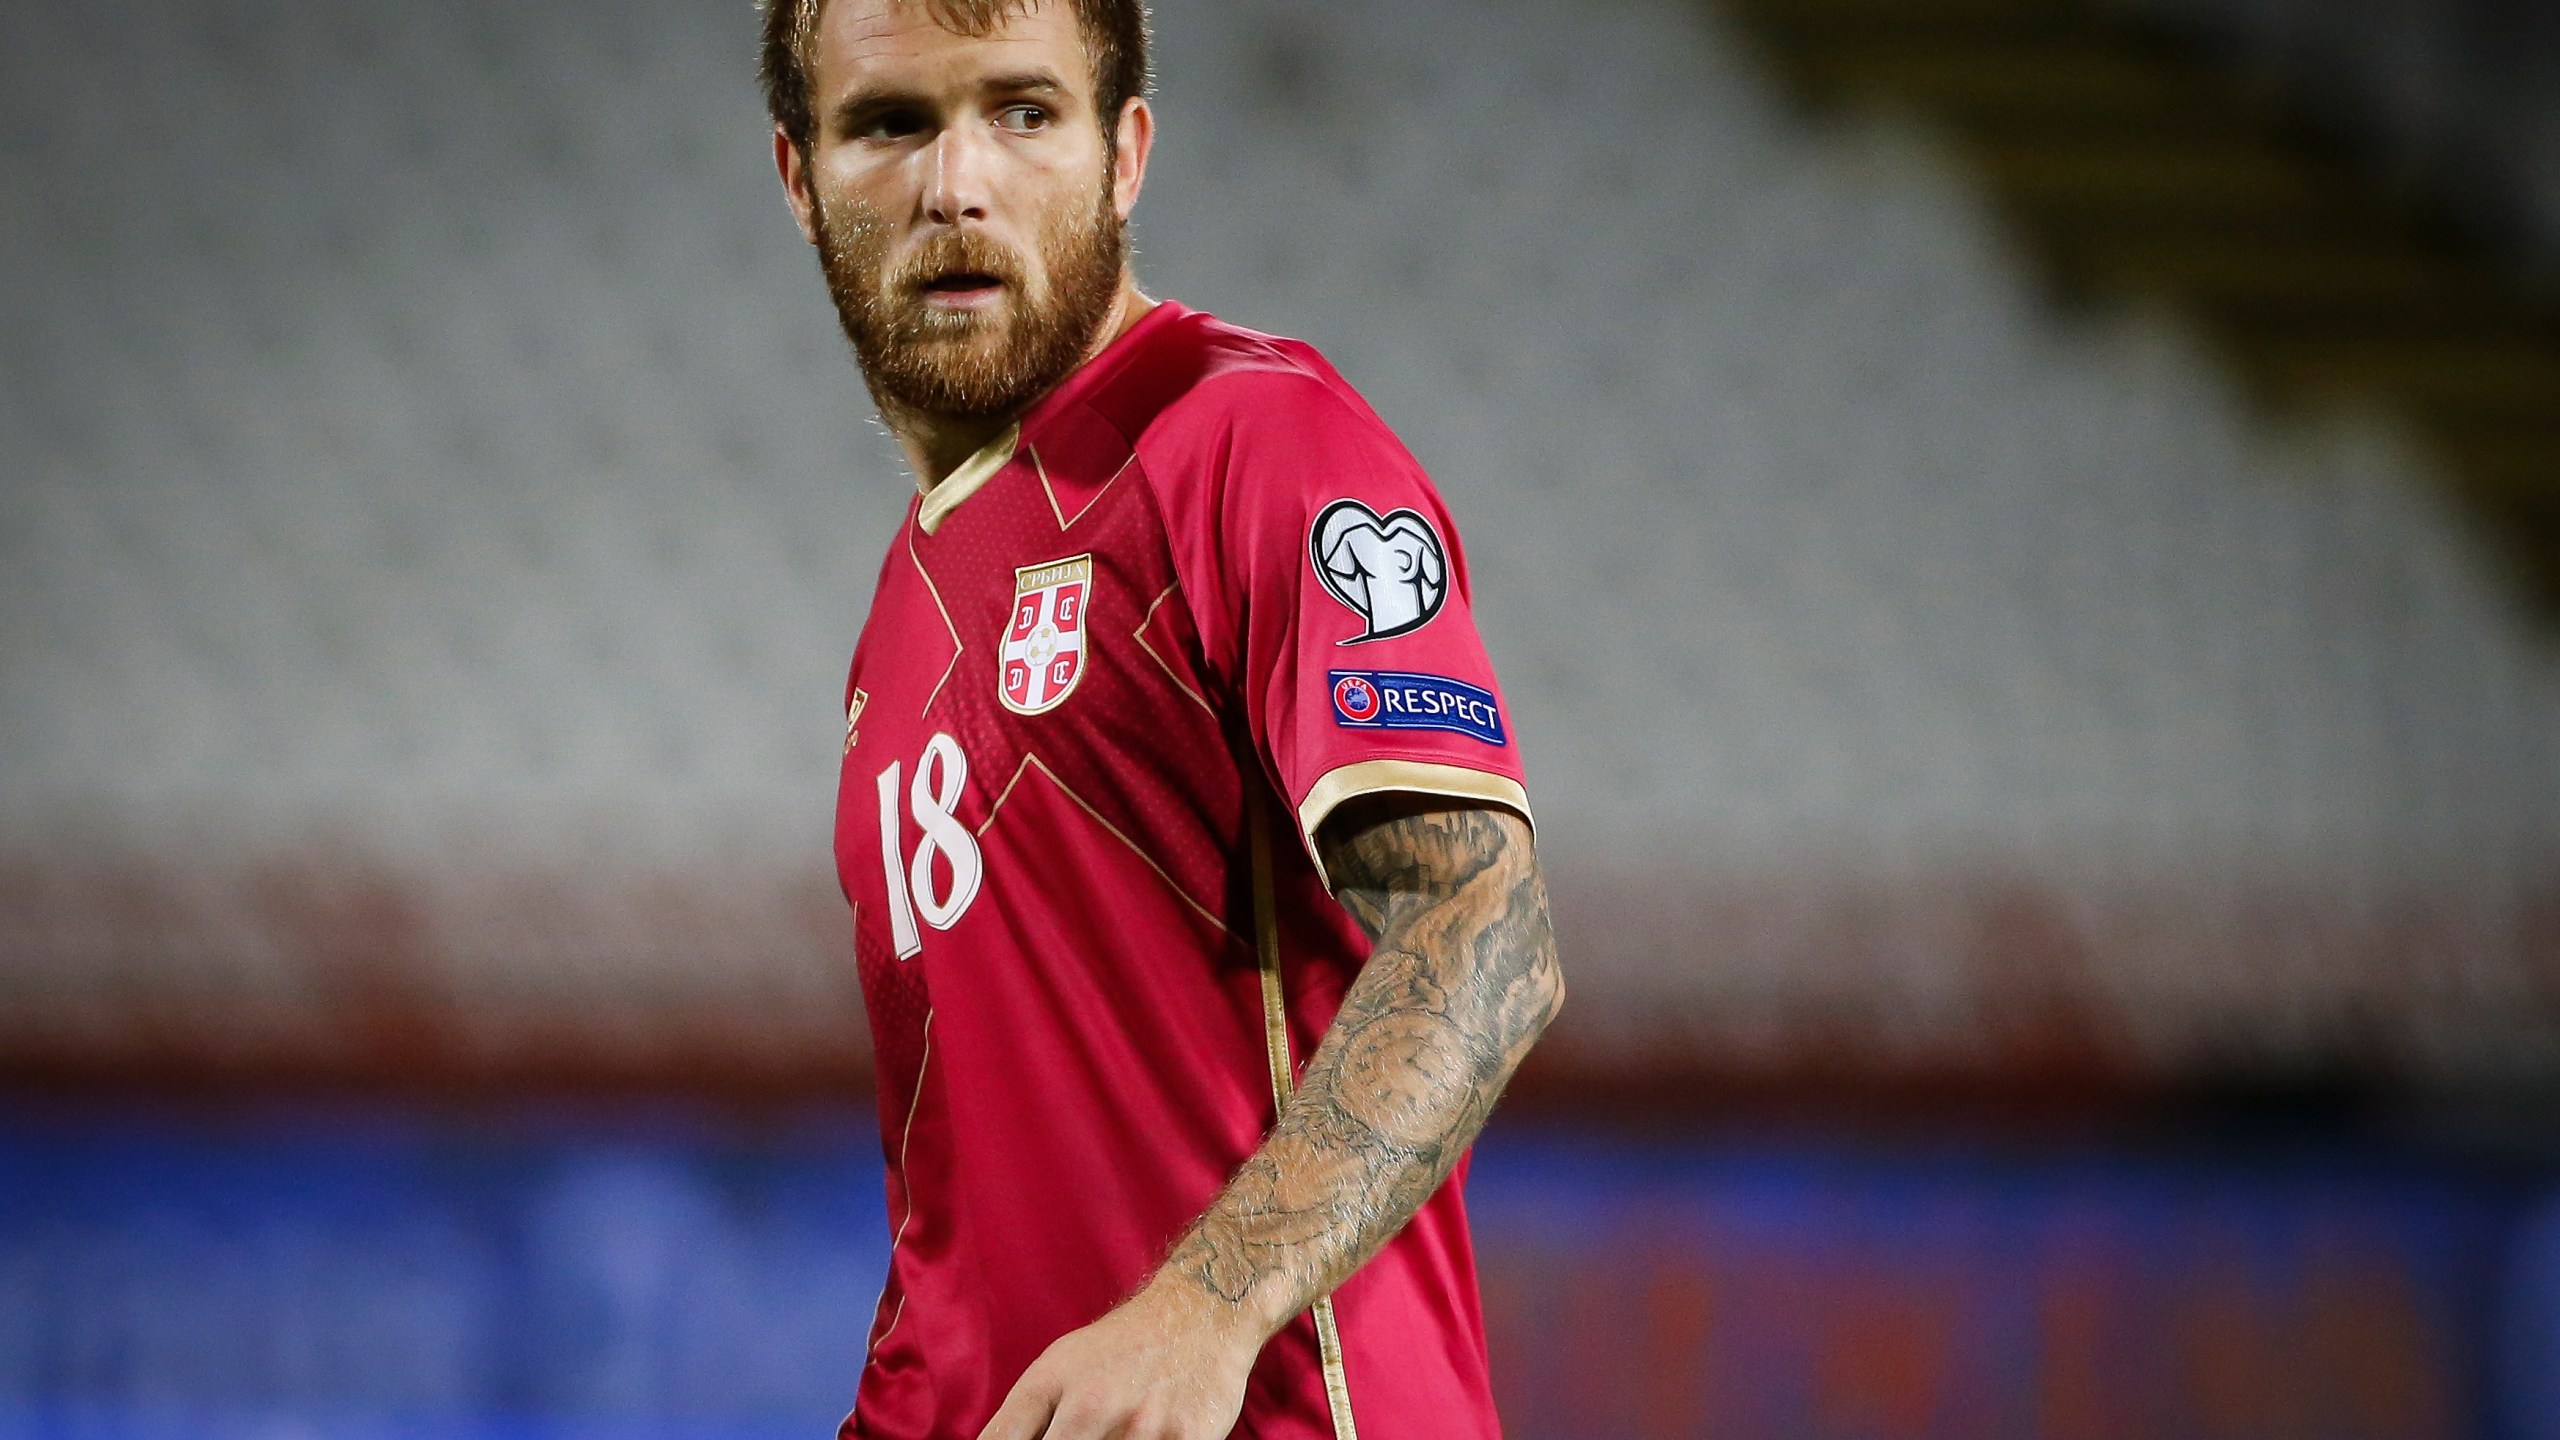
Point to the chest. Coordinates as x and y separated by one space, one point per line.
1021 639
1014 625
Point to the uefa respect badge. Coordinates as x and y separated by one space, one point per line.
1406 700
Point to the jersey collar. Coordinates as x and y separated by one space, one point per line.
982 467
962 483
1115 357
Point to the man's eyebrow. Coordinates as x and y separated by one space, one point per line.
1026 82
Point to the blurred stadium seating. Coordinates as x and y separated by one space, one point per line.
435 509
2148 169
438 511
2459 100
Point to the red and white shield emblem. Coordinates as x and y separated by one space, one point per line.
1042 657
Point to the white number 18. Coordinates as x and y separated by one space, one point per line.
940 772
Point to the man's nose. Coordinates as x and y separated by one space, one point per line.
957 188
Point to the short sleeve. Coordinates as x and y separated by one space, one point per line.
1360 666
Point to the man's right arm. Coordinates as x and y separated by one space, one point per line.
1462 980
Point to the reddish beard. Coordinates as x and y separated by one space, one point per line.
919 358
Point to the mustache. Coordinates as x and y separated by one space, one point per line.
955 253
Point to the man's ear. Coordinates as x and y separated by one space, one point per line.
1136 135
793 167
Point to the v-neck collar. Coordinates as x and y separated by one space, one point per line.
962 483
944 497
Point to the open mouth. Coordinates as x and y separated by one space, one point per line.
962 286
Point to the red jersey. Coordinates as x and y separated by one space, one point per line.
1119 668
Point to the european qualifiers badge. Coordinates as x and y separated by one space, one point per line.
1391 570
1402 700
1043 654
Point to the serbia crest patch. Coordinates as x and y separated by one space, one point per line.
1043 654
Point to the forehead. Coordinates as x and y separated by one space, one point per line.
902 43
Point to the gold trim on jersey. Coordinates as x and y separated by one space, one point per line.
906 1133
1024 768
945 495
1275 1051
1140 635
958 645
1419 777
1065 524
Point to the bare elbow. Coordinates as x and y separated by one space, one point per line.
1548 978
1545 975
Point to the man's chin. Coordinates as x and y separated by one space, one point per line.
974 361
954 380
954 346
961 364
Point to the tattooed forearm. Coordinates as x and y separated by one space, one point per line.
1461 981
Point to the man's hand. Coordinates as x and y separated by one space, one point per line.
1168 1364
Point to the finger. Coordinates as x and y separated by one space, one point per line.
1081 1420
1024 1415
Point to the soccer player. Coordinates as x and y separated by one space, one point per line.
1193 893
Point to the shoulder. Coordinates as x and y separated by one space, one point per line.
1202 382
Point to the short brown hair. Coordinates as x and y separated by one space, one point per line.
1115 35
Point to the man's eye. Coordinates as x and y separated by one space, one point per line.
1022 119
889 125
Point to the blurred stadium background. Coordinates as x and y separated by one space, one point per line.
2023 538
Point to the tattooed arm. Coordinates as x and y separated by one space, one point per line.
1461 981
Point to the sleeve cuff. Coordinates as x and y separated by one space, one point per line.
1412 777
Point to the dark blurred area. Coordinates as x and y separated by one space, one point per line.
2018 535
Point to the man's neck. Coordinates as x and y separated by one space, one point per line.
936 445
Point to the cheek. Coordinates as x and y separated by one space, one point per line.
1070 204
863 191
1057 186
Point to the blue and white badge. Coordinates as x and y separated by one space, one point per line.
1402 700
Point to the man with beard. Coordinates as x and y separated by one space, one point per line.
1194 900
